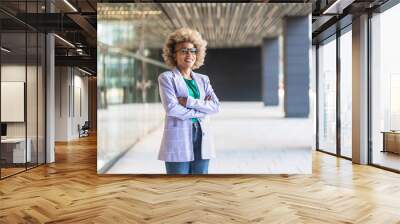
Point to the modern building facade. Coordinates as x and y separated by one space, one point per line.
356 84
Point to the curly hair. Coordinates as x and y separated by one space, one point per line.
184 35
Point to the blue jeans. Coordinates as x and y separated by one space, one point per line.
199 165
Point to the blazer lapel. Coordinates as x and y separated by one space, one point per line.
181 89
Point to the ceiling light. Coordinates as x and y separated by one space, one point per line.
5 50
146 52
337 7
86 72
70 5
64 40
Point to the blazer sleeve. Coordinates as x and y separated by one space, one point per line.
170 101
205 106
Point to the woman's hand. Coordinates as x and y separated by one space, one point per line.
182 101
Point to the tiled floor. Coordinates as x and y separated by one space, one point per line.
249 138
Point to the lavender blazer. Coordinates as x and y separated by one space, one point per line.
176 143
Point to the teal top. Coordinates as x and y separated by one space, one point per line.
193 92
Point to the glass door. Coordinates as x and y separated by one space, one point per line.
346 92
327 95
385 89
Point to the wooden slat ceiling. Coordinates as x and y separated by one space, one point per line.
221 24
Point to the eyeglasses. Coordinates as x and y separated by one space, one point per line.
187 50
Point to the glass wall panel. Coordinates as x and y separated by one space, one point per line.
127 71
41 98
22 89
32 86
327 95
14 153
127 88
346 92
385 114
42 91
31 97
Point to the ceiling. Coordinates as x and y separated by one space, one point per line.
73 20
137 24
221 24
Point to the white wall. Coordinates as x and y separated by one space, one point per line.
71 87
13 73
80 94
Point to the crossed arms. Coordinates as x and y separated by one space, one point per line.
186 107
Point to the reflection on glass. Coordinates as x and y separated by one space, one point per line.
22 90
346 93
128 98
327 96
386 89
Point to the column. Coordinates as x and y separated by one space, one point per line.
50 99
50 92
270 71
297 47
360 90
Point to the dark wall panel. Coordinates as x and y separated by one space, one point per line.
297 66
235 73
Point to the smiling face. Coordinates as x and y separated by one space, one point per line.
184 60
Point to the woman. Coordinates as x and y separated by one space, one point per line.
187 98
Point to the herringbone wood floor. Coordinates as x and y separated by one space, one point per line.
70 191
